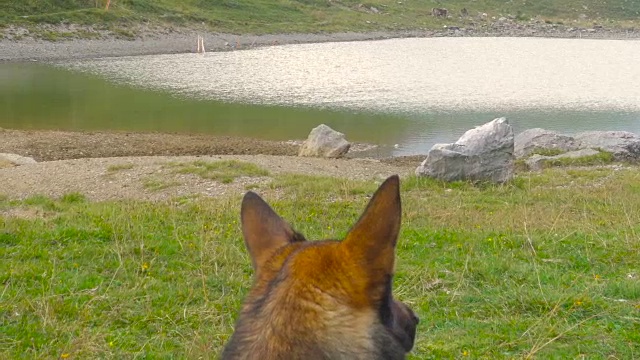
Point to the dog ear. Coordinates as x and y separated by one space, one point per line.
263 230
372 240
403 324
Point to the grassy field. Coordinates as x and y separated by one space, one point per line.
545 267
285 16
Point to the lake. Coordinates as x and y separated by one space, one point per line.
410 92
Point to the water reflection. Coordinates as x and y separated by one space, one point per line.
411 92
404 75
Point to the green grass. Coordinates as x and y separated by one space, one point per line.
543 267
153 184
547 151
224 171
285 16
119 167
601 158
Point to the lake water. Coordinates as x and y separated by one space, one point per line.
410 92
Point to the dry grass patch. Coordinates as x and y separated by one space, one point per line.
224 171
119 167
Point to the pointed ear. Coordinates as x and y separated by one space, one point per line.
373 238
263 230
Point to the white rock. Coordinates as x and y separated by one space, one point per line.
481 154
16 159
323 141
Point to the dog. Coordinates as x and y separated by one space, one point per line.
323 299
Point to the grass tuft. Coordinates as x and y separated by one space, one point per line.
119 167
224 171
601 158
153 184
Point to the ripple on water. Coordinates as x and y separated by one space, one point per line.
411 75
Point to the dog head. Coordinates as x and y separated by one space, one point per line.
323 299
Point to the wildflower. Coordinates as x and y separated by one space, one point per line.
596 277
465 353
65 355
111 343
145 266
577 303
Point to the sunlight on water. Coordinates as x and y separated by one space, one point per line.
410 92
403 75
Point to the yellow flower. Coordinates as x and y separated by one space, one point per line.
65 355
111 343
145 266
465 353
596 276
577 302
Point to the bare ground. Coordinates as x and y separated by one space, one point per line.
109 166
61 145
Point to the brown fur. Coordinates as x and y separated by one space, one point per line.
323 299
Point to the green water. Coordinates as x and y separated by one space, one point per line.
38 96
34 96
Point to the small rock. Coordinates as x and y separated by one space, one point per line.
536 162
16 159
323 141
624 145
530 140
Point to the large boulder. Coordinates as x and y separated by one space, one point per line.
481 154
531 140
323 141
624 145
15 159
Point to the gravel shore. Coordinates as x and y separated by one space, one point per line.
15 46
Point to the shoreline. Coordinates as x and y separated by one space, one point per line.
184 41
55 145
119 165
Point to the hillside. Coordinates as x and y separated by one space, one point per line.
128 17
